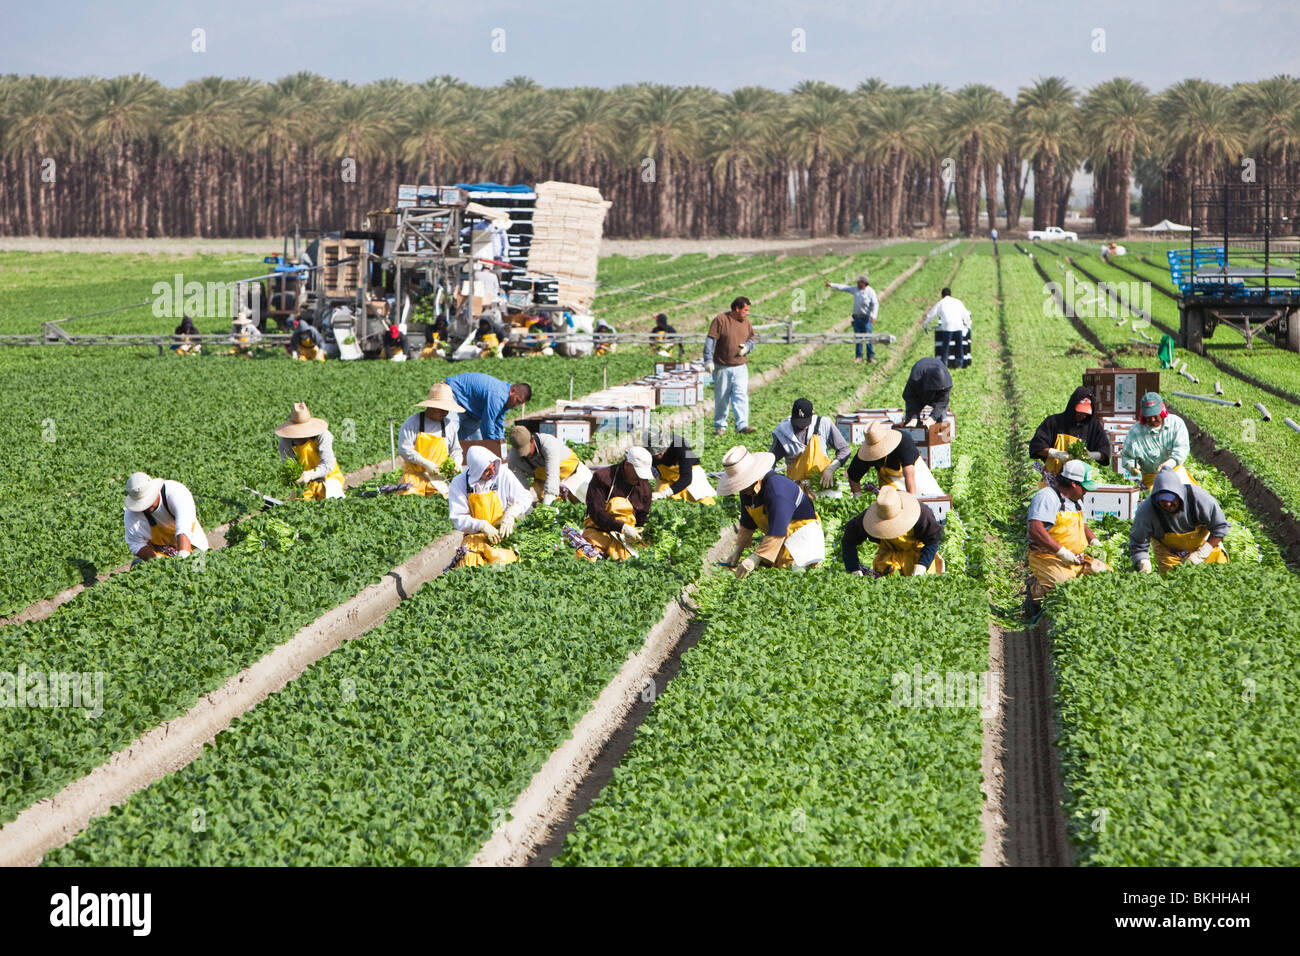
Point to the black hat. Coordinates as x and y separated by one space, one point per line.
801 414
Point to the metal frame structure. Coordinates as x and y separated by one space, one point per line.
1233 278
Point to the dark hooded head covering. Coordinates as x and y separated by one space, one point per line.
1089 431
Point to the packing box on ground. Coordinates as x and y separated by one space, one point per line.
1118 500
939 504
609 419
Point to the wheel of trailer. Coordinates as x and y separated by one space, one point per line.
1192 329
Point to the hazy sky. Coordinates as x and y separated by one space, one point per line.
717 43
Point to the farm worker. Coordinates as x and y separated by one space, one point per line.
244 334
929 383
726 355
1181 522
906 533
774 505
1158 442
954 323
484 502
660 332
395 344
993 234
897 460
549 465
309 440
604 347
1057 532
183 333
306 343
680 475
486 400
618 505
1052 440
803 440
161 518
488 339
435 334
427 439
865 307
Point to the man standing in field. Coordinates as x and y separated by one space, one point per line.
865 306
726 355
954 324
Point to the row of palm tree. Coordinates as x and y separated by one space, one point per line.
221 157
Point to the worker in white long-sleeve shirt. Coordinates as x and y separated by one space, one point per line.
161 518
804 441
484 502
954 322
549 465
427 439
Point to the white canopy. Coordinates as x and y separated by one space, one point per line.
1164 225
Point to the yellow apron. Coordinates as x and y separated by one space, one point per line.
926 485
488 346
432 447
308 352
609 545
1049 570
567 468
1062 443
668 475
899 555
431 347
784 559
1165 547
809 461
1180 471
308 455
485 506
161 537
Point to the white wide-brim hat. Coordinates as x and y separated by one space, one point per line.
742 467
141 491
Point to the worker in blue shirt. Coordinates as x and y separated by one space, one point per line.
486 400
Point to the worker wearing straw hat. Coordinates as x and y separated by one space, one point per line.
1179 522
774 505
549 465
244 334
427 439
906 533
679 473
309 440
484 502
618 505
160 518
803 440
1158 442
1058 534
897 460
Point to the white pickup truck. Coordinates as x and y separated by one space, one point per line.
1052 232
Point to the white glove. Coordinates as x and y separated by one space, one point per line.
1144 566
1068 556
746 348
182 554
1200 554
1061 456
547 500
304 478
507 524
490 532
828 476
746 568
1095 455
633 534
918 569
858 573
660 495
708 367
1169 464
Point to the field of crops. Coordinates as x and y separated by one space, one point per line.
786 736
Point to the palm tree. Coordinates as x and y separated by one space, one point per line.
1116 118
821 133
121 112
587 132
666 130
1045 128
364 126
896 129
204 117
437 130
1272 112
1202 130
976 128
44 115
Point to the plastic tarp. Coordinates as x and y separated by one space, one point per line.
494 188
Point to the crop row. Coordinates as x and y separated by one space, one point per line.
1162 759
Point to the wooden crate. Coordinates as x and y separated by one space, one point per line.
1119 390
342 279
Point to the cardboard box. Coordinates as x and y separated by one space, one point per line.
1118 500
577 430
936 456
939 504
1118 390
610 419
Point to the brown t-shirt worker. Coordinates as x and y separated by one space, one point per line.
731 332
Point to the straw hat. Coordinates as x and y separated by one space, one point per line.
301 424
440 396
141 491
893 514
742 467
881 440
